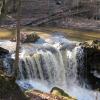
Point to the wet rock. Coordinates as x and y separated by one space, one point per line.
91 62
3 51
1 66
6 65
38 95
92 51
59 92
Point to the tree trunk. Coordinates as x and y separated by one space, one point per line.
3 10
18 39
14 5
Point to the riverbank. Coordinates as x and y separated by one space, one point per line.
45 32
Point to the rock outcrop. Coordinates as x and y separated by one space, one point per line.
9 90
91 62
28 37
3 51
32 37
60 92
93 44
38 95
6 62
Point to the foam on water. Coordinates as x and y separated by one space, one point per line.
83 94
38 85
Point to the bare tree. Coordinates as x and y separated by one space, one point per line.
16 66
14 5
3 9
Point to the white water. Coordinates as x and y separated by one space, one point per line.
52 63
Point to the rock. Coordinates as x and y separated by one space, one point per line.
32 37
6 65
59 92
91 61
3 51
38 95
28 37
9 90
91 44
1 66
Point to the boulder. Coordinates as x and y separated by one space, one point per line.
28 37
38 95
60 92
3 51
32 37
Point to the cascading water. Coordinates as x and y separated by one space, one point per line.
53 62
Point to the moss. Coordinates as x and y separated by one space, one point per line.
38 95
59 92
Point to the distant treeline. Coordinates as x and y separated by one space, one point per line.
38 7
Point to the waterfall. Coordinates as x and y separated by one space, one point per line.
53 62
45 66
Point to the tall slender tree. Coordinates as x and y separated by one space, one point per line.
3 9
14 5
18 38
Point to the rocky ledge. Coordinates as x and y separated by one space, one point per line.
91 62
92 44
56 94
9 90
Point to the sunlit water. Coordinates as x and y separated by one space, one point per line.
52 62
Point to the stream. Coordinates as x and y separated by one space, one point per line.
50 62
